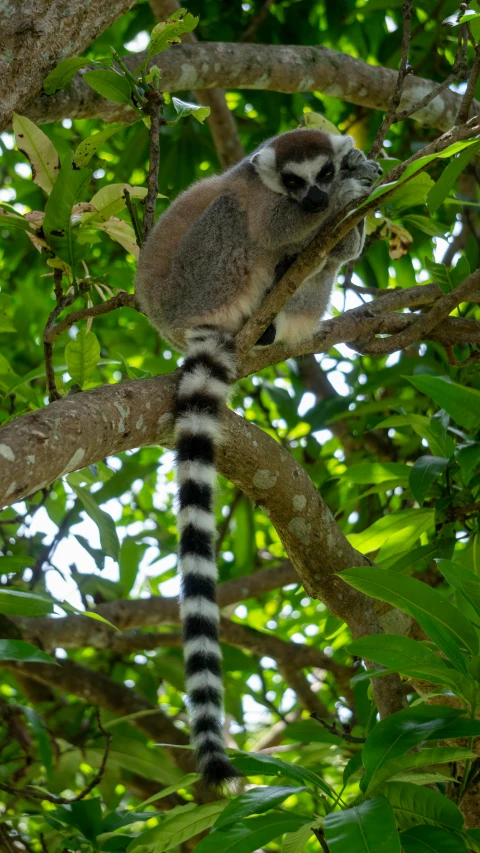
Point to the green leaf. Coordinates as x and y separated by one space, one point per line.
185 782
184 109
460 271
38 150
463 404
441 636
469 459
353 766
131 554
412 194
58 210
136 757
104 522
63 73
415 598
404 655
168 32
13 220
397 734
173 831
110 84
122 232
449 176
424 758
423 473
393 533
252 764
13 602
467 582
82 356
417 165
109 200
431 429
18 650
250 834
367 828
15 563
376 472
423 223
431 839
295 842
90 146
42 735
256 801
414 805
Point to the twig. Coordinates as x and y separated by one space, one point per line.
57 283
426 322
407 12
121 300
133 218
223 530
34 794
467 99
53 393
344 734
320 836
459 72
50 549
256 22
155 101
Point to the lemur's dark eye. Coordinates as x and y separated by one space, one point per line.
292 182
327 173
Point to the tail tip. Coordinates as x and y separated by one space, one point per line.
217 770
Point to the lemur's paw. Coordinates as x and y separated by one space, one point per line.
352 160
356 165
369 172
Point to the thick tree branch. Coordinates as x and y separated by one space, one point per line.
74 432
33 42
274 68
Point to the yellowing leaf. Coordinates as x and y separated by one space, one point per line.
38 149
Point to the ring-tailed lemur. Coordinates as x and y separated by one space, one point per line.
203 271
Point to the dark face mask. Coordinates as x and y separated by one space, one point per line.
315 201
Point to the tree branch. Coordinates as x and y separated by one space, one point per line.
274 68
76 631
32 36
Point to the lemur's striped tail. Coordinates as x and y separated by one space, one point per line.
207 373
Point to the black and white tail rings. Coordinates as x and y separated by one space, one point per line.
207 374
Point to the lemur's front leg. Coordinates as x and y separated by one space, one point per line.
359 174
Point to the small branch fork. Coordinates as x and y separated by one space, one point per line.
404 70
459 72
38 794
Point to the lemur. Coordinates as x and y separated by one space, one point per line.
205 268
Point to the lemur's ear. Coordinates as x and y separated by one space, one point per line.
342 144
264 159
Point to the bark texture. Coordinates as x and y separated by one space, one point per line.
276 68
38 34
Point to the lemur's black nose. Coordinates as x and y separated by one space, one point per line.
315 200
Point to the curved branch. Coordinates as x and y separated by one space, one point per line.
274 68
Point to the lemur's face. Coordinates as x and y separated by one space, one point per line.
303 165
